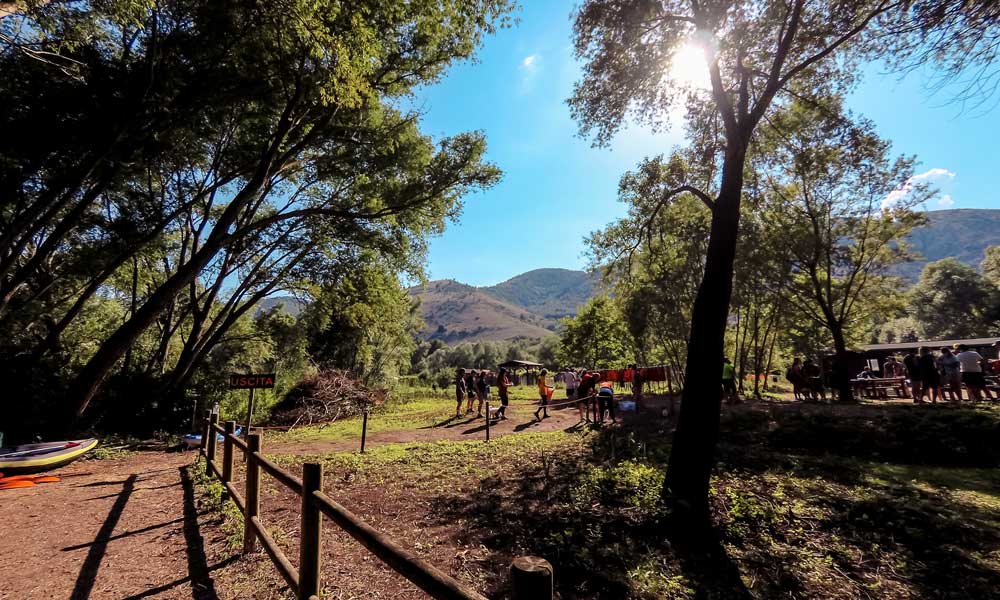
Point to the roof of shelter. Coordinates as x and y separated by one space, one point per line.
520 364
974 342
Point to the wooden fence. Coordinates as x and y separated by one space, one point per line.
531 577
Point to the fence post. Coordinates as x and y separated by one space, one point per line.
204 431
531 577
227 452
487 420
364 429
309 531
210 456
252 493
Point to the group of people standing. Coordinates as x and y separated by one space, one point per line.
806 378
941 375
594 397
473 385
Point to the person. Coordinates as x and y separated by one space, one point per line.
813 376
605 401
470 389
503 382
583 392
892 369
971 366
911 363
930 379
866 373
794 377
543 391
482 391
571 383
951 374
729 392
637 385
460 391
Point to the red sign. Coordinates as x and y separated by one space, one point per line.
246 382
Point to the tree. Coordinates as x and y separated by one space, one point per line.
953 301
756 53
595 337
846 211
326 146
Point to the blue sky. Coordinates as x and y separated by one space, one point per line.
557 188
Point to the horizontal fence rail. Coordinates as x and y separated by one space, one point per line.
531 577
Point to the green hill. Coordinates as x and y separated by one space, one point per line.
549 293
961 233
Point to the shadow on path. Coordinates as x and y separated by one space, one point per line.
199 573
88 572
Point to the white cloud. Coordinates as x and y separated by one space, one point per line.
936 176
529 72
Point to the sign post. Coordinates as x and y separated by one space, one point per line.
239 381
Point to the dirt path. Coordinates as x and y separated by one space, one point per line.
521 420
115 529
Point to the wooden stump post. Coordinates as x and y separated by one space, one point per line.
364 429
531 578
252 492
227 453
210 455
310 529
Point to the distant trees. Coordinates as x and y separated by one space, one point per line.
952 300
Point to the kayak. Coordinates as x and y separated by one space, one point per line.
193 440
33 458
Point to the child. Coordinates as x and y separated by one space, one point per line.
543 391
503 382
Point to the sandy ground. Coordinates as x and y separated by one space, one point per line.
113 529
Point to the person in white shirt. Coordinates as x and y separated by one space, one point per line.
971 365
569 377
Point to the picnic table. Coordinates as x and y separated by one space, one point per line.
879 387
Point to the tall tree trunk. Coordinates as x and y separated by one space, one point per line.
839 372
692 456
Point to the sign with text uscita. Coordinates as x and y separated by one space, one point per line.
249 382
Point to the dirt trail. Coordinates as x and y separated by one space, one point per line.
521 420
114 529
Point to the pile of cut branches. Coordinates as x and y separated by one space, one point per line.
323 398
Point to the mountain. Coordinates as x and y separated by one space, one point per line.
288 304
530 305
962 233
457 312
549 293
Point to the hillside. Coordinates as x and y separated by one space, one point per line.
549 293
457 312
960 233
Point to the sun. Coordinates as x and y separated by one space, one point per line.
689 69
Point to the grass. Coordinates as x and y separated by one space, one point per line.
878 502
212 496
408 408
